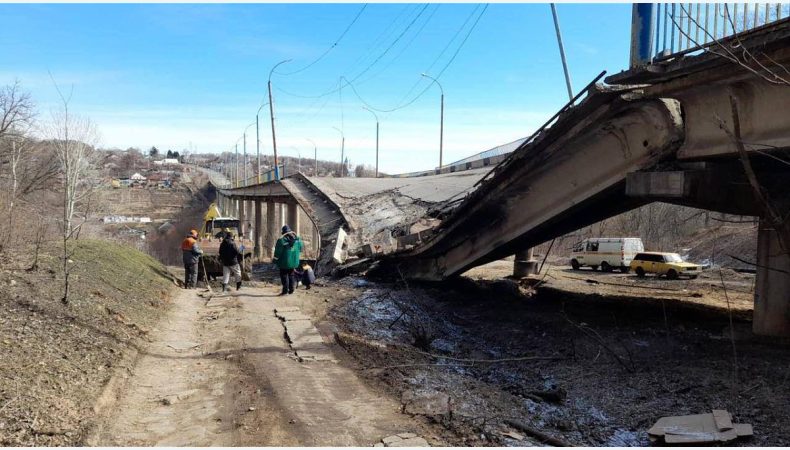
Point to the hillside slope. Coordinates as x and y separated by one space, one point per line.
57 358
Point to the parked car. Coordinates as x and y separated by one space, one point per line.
660 263
606 253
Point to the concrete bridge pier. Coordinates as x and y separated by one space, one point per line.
525 264
293 217
772 286
257 241
242 218
271 229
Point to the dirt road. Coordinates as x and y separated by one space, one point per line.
219 371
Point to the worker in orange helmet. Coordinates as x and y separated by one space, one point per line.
191 255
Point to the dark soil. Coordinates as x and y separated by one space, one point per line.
56 358
619 369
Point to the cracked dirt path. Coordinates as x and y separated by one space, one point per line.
220 373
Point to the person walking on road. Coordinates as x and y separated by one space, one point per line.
231 259
191 253
287 252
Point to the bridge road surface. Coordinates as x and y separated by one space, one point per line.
220 373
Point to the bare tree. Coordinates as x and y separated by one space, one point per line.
73 138
16 119
16 109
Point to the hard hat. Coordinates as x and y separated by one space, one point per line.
193 233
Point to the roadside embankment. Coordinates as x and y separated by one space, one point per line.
57 358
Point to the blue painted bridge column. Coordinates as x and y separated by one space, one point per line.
642 22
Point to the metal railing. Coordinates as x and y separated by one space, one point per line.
663 30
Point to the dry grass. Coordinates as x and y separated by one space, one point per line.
56 358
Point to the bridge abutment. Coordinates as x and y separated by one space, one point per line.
772 286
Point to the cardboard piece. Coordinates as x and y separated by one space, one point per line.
707 428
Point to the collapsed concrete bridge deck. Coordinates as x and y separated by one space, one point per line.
693 131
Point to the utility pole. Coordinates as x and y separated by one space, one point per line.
342 150
377 139
562 51
258 141
271 114
245 150
237 164
441 118
315 157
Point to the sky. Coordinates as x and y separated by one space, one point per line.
193 76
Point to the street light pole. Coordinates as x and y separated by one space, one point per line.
342 150
315 157
377 138
271 114
258 141
245 151
441 119
237 164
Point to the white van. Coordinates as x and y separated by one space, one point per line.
606 253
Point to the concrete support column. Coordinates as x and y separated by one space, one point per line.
293 217
772 288
315 243
242 218
525 264
271 229
283 213
257 241
236 208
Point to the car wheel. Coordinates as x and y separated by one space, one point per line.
594 267
625 269
575 264
640 272
672 274
606 267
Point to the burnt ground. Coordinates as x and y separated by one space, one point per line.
618 365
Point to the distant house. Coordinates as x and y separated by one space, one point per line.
167 162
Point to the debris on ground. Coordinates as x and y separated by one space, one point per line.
403 440
709 428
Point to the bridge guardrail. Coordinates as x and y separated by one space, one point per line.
665 30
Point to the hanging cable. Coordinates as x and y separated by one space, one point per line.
337 41
357 76
406 47
457 51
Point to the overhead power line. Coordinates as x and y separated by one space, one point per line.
358 75
337 41
447 65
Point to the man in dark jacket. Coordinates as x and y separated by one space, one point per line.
286 255
191 252
231 259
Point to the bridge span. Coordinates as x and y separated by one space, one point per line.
697 130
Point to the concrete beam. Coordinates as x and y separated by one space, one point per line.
573 177
772 288
759 104
718 187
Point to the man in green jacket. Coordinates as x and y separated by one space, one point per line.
286 255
